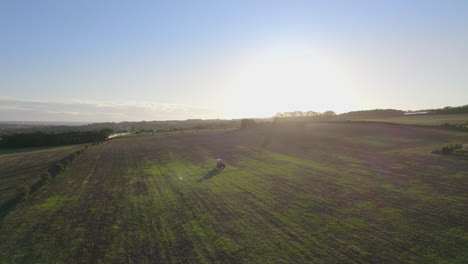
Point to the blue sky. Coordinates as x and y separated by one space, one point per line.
147 60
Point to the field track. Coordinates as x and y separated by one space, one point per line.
326 193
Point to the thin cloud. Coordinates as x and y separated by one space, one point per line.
91 111
11 107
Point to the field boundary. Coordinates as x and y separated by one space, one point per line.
442 126
53 170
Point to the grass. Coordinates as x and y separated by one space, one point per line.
52 203
155 199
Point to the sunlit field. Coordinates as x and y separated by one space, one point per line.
115 114
323 193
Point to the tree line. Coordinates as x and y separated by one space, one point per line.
449 110
42 139
307 114
170 125
374 113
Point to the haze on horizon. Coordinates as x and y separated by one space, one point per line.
94 61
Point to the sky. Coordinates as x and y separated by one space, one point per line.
96 61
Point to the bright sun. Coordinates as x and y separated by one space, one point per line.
286 78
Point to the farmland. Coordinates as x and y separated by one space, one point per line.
24 169
323 193
421 119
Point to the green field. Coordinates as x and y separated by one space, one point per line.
325 193
421 119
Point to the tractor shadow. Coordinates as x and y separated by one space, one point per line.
211 174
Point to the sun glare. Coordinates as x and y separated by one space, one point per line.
286 78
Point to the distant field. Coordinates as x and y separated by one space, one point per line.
422 119
326 193
23 167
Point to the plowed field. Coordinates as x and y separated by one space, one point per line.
326 193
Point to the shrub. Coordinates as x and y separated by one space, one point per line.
46 177
451 149
60 167
23 191
248 123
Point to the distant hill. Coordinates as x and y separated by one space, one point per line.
373 113
448 110
395 113
45 123
28 127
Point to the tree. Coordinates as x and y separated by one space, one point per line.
46 177
23 191
280 115
248 123
297 114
